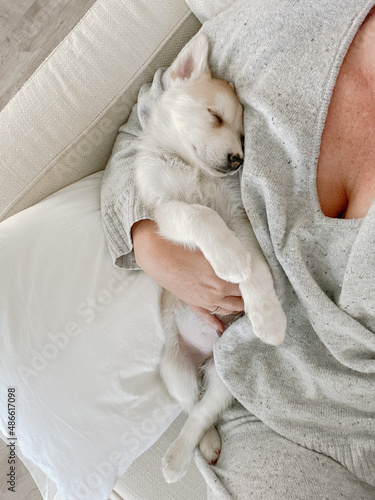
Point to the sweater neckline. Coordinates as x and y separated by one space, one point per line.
319 216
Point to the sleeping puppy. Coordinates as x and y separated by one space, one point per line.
188 175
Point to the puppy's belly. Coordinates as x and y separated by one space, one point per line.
195 334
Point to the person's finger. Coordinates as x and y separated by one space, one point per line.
230 305
217 288
210 319
227 305
230 289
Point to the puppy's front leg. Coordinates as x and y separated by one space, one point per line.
261 302
197 226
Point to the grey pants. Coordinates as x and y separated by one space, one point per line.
257 463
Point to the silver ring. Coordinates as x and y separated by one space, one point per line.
216 310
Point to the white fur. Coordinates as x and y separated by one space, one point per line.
182 174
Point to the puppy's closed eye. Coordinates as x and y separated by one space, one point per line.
218 119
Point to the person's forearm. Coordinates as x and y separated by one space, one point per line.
186 273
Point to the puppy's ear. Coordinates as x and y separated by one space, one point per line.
192 62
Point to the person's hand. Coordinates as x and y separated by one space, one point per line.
185 273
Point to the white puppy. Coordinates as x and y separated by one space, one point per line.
187 173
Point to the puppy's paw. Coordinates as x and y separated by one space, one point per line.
210 445
231 262
267 318
176 461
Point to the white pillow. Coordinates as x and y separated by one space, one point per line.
80 341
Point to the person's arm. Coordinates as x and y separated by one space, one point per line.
185 273
121 206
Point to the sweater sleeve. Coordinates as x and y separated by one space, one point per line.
121 206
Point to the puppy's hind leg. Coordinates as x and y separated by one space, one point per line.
179 374
204 414
210 445
177 369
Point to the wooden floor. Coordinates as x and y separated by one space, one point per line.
29 31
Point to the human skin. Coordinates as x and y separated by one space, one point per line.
346 166
345 186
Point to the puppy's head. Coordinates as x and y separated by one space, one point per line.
200 117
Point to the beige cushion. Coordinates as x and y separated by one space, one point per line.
61 125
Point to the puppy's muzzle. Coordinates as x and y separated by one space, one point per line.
234 162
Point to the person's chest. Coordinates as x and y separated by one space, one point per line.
346 167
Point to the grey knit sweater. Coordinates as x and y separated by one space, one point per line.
318 387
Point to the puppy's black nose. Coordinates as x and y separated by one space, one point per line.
234 162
